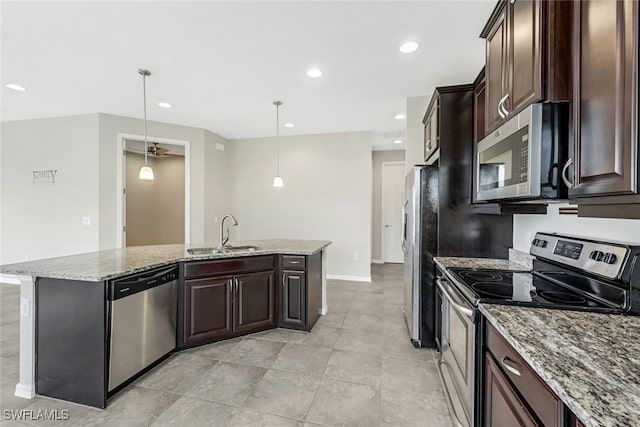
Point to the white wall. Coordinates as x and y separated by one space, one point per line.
376 226
416 108
525 227
40 221
216 185
326 194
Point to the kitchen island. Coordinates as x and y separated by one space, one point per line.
67 303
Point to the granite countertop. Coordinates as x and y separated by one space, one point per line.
109 264
590 360
479 263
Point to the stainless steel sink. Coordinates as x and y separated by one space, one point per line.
227 249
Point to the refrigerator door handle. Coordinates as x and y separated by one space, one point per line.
404 227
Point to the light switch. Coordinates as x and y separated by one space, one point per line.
86 220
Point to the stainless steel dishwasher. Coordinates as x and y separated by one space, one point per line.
143 321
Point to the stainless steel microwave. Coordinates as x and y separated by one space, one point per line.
520 160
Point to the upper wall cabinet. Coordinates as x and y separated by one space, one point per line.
528 57
605 99
431 123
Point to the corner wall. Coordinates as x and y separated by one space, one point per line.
326 195
416 108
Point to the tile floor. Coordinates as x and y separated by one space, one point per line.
356 368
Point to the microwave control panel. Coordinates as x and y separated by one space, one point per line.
524 158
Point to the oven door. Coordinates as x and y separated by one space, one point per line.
508 160
457 354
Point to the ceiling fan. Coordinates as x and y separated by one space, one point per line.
157 151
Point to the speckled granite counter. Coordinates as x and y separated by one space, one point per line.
590 360
105 265
479 263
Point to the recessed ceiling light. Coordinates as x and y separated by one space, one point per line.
16 87
400 117
409 47
314 73
164 105
397 141
289 125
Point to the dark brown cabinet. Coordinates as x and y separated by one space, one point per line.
605 99
431 123
479 100
513 391
224 298
502 405
300 291
527 57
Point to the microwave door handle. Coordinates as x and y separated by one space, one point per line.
459 308
568 183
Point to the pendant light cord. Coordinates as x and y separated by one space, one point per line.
278 139
144 97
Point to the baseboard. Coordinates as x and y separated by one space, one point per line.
377 261
350 278
26 391
323 311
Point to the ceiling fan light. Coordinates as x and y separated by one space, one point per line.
146 173
277 181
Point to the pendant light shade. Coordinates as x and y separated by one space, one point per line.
146 173
277 181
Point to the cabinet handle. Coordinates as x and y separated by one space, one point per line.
504 108
294 262
284 280
231 282
568 183
511 366
237 285
500 110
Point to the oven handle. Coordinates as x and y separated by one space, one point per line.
452 410
459 308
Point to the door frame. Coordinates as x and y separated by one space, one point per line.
120 182
382 204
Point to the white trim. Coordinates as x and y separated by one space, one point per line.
382 181
26 391
8 279
26 385
120 182
377 261
323 311
348 277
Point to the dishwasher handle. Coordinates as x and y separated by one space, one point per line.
121 288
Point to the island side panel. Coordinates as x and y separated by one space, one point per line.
71 340
314 289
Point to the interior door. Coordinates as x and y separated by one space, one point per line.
393 199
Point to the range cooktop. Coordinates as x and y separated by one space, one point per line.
537 290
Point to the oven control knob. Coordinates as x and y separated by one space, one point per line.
610 258
535 242
596 255
543 243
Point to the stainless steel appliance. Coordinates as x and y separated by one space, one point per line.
419 244
521 159
143 322
569 273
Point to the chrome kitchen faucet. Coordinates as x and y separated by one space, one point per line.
223 240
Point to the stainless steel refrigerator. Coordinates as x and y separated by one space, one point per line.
420 245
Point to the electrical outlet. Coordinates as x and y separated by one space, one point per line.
25 307
356 257
86 220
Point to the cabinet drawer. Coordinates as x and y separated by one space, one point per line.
293 262
228 266
547 406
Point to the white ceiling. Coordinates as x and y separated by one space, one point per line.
221 64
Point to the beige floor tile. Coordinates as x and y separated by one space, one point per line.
303 359
178 374
363 342
355 367
346 404
399 408
227 383
254 352
248 418
362 322
410 375
195 413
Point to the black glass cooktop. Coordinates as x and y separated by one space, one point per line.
525 288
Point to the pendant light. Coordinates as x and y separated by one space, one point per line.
277 181
146 173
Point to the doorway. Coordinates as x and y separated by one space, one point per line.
392 201
154 212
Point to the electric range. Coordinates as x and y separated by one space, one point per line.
569 273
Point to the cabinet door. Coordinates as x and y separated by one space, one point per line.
435 126
254 304
502 406
427 139
495 70
479 95
207 308
524 71
294 290
605 98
